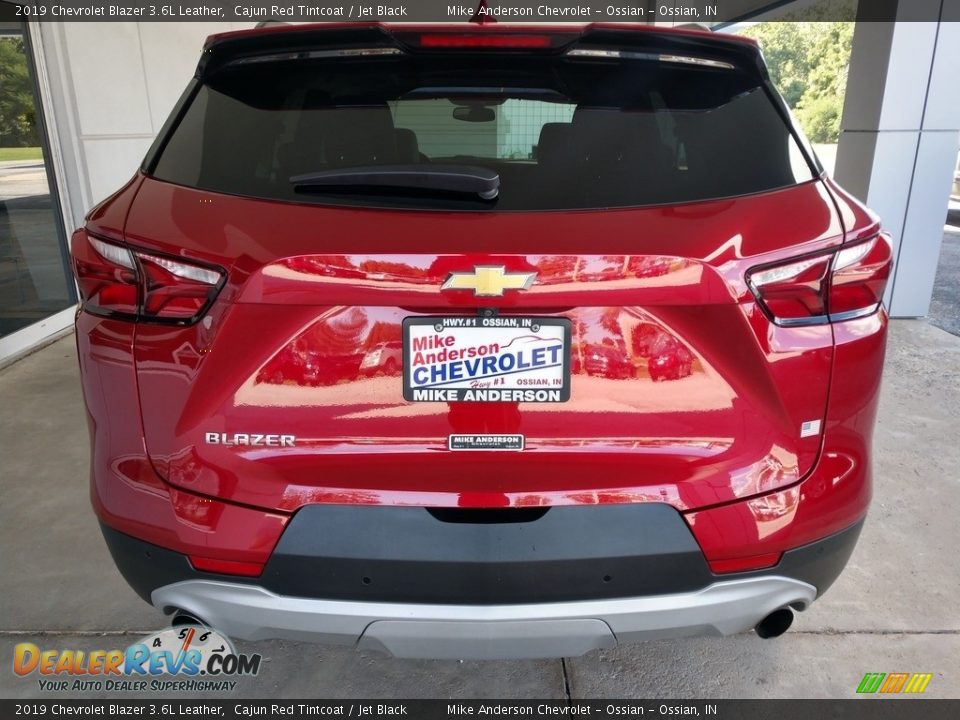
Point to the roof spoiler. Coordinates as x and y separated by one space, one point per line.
355 38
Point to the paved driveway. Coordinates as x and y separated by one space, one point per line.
894 609
22 178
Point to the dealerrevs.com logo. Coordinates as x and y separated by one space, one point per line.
180 659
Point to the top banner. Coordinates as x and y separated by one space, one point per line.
713 14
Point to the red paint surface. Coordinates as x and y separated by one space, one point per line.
683 391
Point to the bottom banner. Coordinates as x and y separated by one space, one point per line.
868 709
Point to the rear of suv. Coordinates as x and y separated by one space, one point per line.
496 341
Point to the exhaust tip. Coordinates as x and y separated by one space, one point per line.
775 624
181 618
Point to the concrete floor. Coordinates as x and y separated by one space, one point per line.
894 609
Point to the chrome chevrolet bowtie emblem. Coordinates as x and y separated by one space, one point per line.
488 280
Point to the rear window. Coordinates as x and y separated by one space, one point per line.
561 133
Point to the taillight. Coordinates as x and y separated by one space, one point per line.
793 293
828 287
174 289
117 281
106 275
859 277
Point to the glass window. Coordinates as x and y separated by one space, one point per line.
561 133
34 279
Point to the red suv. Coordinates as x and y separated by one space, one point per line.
481 341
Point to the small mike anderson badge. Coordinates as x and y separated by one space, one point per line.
485 442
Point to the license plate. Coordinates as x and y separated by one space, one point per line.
486 359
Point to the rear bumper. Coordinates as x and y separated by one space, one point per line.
402 581
540 630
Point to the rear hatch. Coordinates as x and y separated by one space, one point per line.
462 271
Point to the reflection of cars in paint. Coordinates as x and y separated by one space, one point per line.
645 337
608 360
386 358
653 266
302 364
318 185
669 359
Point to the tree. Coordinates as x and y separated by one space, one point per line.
784 48
808 63
18 121
820 109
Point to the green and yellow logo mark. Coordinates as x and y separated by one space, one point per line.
894 683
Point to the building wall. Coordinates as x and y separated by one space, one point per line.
111 86
899 140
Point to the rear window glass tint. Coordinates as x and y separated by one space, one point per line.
561 133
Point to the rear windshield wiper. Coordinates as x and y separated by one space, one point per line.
467 179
